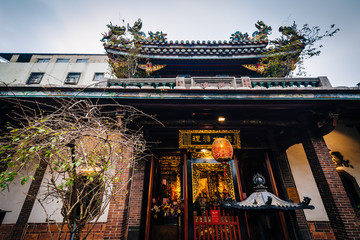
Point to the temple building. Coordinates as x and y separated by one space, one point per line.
294 139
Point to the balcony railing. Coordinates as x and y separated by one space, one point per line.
219 83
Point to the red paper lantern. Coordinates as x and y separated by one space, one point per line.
222 150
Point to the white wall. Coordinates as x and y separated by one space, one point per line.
346 140
52 207
305 183
13 199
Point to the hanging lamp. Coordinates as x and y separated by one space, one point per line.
222 151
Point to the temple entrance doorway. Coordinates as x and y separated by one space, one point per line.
186 185
165 214
260 224
209 184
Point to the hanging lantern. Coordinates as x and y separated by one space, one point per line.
222 151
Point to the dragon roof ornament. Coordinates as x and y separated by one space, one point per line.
116 35
261 34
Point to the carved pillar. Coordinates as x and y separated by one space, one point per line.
342 217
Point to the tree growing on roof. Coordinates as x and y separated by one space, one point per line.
128 39
291 49
85 148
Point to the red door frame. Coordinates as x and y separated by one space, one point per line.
276 192
186 216
148 210
273 185
149 203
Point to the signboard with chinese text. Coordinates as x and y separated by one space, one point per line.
204 138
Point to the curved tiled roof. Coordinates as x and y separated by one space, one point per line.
249 48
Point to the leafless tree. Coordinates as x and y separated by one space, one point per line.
87 149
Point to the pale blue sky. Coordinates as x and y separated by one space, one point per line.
75 26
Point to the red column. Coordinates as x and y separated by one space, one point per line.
337 204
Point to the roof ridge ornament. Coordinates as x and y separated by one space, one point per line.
262 33
157 36
259 181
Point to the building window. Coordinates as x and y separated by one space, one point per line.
81 60
90 201
98 76
35 78
63 60
84 196
43 60
72 78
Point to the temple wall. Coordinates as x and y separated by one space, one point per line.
346 140
40 231
305 183
53 208
13 199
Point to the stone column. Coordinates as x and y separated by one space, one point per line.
342 217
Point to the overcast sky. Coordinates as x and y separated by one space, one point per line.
75 26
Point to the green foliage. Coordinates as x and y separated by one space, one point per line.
292 48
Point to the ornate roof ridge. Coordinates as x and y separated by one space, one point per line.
206 42
194 50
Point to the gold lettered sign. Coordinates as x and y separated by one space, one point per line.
204 138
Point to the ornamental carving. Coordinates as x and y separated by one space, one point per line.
170 169
339 160
262 33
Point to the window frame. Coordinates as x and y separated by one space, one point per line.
33 76
82 60
63 60
69 77
43 60
98 73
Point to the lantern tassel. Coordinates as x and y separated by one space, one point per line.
224 165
